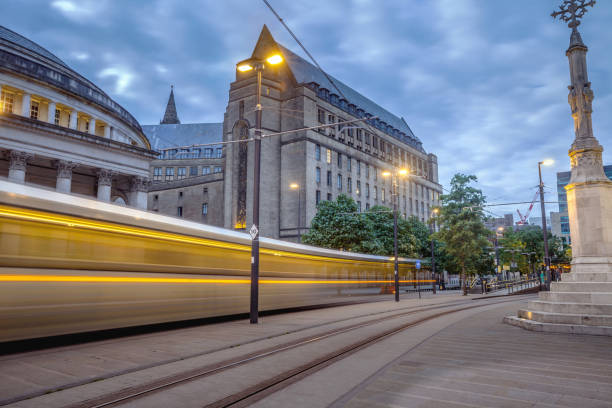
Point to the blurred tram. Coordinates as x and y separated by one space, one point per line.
70 264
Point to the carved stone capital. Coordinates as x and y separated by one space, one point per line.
139 184
587 166
105 177
19 160
64 168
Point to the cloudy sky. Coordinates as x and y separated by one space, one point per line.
482 83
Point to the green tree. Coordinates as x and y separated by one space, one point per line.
409 234
462 228
337 226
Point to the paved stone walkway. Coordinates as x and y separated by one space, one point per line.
480 362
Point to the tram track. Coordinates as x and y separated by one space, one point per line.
286 377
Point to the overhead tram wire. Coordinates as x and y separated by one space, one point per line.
314 61
267 135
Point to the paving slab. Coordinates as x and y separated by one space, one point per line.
467 359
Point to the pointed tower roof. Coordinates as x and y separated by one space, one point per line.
170 117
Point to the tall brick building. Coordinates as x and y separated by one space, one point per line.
325 162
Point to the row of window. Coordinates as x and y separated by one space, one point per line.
60 118
193 153
370 142
181 172
420 190
424 208
179 210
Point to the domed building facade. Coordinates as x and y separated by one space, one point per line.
59 130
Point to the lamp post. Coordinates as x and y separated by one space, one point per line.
245 66
394 176
432 224
546 162
498 233
296 186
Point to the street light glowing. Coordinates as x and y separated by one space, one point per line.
402 172
436 210
294 186
548 162
386 173
275 59
245 67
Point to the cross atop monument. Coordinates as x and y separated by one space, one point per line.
571 11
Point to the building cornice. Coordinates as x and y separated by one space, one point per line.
21 122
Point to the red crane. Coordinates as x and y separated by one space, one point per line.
523 218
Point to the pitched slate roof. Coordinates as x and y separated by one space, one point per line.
187 134
305 73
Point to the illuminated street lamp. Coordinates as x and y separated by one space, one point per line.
432 224
498 233
546 162
296 186
394 176
246 66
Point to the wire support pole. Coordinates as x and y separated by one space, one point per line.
396 261
544 231
254 309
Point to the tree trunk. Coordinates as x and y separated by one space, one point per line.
463 285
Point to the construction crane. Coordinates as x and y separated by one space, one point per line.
524 218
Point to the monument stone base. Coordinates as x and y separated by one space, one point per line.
582 302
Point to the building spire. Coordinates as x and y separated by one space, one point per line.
170 117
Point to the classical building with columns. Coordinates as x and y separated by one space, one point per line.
298 169
59 130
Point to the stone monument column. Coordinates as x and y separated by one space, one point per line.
64 175
589 192
582 302
105 181
139 186
17 165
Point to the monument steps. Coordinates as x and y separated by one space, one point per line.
558 327
581 287
587 277
570 308
566 318
598 298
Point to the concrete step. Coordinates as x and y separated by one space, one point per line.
581 286
586 277
558 328
599 298
566 318
569 307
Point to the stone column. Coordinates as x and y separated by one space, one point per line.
105 181
64 175
51 113
73 119
92 126
139 186
589 192
25 105
107 131
17 165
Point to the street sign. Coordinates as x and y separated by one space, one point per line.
253 231
418 264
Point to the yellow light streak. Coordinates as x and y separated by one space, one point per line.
74 222
127 279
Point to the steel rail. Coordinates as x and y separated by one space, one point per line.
254 393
